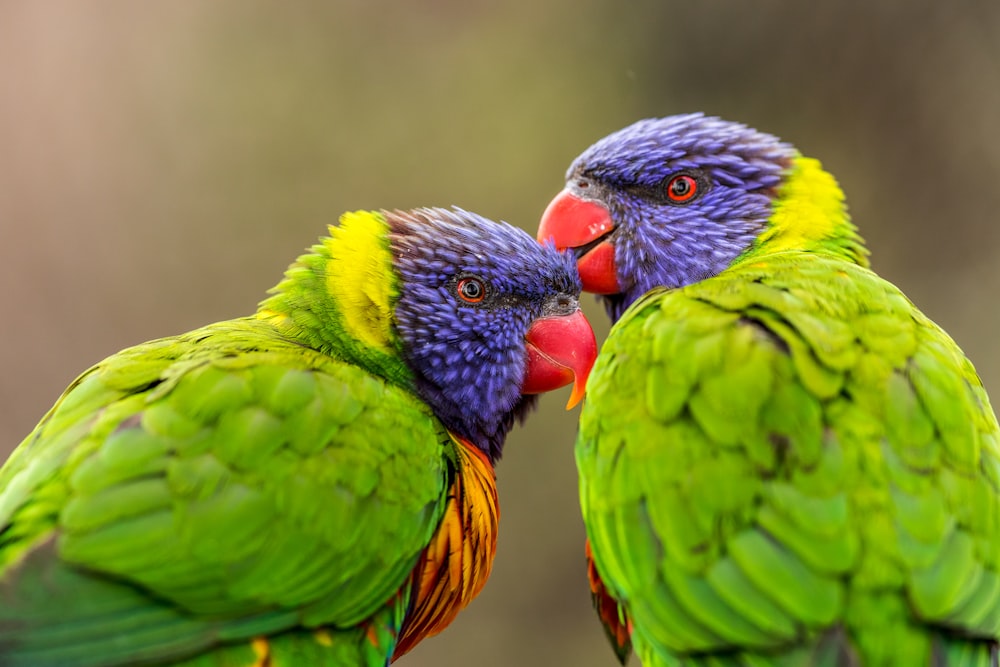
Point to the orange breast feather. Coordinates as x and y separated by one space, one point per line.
455 565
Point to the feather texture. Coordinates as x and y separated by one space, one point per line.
280 490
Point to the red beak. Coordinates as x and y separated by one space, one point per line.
571 223
561 350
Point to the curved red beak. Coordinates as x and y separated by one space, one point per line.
561 349
583 225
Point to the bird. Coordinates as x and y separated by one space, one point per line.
782 461
313 484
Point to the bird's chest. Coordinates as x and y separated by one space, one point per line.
454 567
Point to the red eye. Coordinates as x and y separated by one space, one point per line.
682 188
471 290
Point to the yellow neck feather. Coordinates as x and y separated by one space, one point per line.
809 207
810 214
359 276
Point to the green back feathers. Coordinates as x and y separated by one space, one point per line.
787 450
338 298
214 487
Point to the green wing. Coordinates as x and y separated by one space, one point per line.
214 487
789 464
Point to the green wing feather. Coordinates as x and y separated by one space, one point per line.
216 487
789 464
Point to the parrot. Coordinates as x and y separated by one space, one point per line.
310 485
781 460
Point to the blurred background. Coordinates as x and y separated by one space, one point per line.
162 162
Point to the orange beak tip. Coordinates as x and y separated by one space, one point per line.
579 391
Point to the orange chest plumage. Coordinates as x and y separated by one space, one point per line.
456 564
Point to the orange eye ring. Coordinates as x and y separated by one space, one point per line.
471 290
682 188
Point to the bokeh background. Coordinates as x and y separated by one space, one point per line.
162 162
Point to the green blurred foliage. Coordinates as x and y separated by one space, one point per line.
162 162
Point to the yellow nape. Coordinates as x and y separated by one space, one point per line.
279 319
809 208
323 637
359 276
261 651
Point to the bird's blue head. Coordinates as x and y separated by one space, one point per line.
672 201
487 319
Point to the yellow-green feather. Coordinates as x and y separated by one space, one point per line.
789 464
177 514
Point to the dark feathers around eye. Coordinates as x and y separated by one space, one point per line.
660 192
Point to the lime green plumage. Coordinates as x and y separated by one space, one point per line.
162 465
788 464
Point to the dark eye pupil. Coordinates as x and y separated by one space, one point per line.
471 289
680 186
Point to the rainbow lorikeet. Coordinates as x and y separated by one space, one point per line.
782 460
310 485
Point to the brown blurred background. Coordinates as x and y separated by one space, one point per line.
162 162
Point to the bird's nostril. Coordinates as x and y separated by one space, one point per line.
565 303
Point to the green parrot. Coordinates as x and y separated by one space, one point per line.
782 461
311 485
